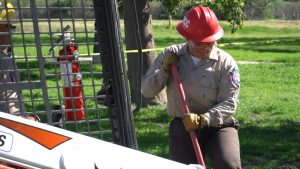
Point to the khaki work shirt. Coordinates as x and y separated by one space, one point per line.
211 86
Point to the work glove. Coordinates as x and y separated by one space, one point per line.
193 121
169 59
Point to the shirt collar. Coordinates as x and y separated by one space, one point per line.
214 54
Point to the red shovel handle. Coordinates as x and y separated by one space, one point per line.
185 111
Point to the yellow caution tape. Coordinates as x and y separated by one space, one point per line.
144 50
129 51
221 45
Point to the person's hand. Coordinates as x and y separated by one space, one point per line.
32 116
193 121
169 59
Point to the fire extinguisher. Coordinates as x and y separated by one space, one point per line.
71 76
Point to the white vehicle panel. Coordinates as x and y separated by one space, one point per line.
36 145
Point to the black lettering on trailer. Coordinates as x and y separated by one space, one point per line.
2 140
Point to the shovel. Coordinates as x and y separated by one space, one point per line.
185 111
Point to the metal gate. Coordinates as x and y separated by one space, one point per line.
68 66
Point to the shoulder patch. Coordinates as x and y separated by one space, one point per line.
234 77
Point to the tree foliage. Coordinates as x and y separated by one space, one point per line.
230 9
171 6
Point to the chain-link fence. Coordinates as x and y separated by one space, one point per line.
51 67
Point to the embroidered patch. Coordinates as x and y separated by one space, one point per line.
186 23
235 77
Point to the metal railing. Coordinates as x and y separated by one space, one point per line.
40 83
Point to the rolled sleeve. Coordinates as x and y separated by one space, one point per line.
155 79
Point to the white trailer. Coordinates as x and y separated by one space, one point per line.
29 144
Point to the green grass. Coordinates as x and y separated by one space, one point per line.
269 101
269 115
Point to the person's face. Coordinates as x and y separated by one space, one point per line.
200 50
4 35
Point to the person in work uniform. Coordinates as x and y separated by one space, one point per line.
211 80
10 99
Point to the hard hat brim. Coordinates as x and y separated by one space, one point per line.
10 25
218 35
8 12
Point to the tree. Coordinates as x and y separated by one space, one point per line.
132 43
171 6
230 9
256 9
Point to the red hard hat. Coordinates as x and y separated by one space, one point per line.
200 24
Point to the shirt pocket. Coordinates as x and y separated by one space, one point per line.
206 79
208 87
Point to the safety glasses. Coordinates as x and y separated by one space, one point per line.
202 45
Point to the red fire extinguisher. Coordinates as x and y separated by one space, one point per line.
71 77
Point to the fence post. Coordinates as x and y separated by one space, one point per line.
112 59
41 59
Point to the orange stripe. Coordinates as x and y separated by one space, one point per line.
9 165
5 167
43 137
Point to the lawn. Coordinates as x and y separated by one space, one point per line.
270 94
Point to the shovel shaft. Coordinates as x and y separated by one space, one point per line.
185 111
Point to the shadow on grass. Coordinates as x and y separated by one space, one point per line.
30 69
275 45
153 140
259 44
169 41
29 40
262 146
151 125
270 146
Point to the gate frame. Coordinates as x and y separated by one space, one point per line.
114 73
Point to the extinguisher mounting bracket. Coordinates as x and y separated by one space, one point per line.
64 37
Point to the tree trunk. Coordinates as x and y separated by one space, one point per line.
170 22
147 41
